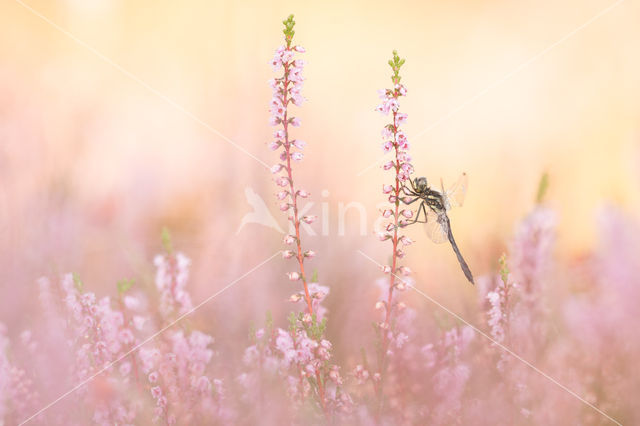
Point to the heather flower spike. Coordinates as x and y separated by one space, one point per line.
394 141
303 351
287 91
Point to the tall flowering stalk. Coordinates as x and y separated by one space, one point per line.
302 349
499 313
287 90
394 142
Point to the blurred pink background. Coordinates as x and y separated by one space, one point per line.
93 163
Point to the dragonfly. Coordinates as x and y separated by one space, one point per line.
434 206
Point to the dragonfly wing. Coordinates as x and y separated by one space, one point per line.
436 227
456 193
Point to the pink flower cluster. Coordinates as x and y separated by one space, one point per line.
175 370
17 394
104 334
532 248
172 274
301 361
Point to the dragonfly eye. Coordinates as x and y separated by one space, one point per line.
421 183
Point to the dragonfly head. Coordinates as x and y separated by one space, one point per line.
420 183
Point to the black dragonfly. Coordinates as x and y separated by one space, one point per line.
434 205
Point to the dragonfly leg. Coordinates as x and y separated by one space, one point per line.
412 201
421 208
407 191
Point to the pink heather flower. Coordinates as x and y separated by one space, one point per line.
400 285
403 157
203 384
387 147
286 56
285 206
274 145
401 339
153 377
386 189
284 344
401 118
296 75
276 102
297 100
302 193
383 109
318 294
309 254
407 213
276 62
282 195
288 254
126 336
392 104
156 392
334 375
289 239
282 181
295 298
383 236
131 302
299 49
295 122
361 374
324 354
293 276
297 156
276 168
309 219
407 167
138 322
405 240
125 368
388 165
299 144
